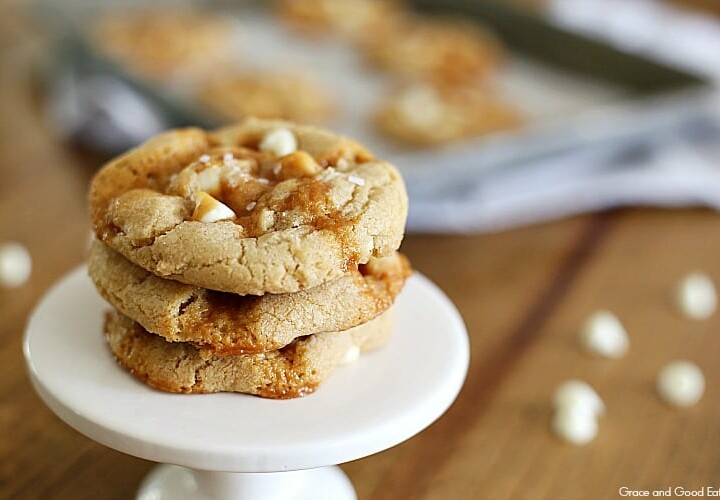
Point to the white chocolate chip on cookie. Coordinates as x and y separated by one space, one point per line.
209 180
208 209
280 142
15 264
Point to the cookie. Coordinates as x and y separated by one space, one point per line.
162 45
293 371
441 51
285 96
352 19
263 206
228 323
426 115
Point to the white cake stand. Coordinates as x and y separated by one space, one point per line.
244 447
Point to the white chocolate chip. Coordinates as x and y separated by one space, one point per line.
208 209
280 142
681 383
574 425
579 395
277 169
205 159
228 157
342 163
209 181
15 264
263 180
696 296
250 206
351 355
603 334
354 179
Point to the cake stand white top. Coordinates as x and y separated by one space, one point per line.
382 399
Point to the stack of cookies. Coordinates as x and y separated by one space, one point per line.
256 258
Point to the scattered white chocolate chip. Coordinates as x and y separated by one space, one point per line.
351 355
277 169
15 264
577 409
603 334
280 142
228 156
208 209
342 163
681 383
580 395
263 180
574 425
250 206
356 180
205 159
696 296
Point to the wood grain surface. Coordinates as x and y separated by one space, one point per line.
522 293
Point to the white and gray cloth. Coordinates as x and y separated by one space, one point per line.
683 170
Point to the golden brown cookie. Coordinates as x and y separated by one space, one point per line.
284 96
353 19
228 323
166 44
263 206
293 371
441 51
425 115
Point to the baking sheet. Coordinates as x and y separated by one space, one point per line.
565 108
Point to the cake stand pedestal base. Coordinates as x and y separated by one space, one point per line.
172 482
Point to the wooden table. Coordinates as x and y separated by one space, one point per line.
522 293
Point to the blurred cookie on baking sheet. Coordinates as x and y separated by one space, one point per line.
352 19
288 96
162 45
446 51
424 115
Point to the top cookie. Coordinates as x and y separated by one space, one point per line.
263 206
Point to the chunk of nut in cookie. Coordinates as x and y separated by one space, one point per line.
298 164
279 142
208 209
